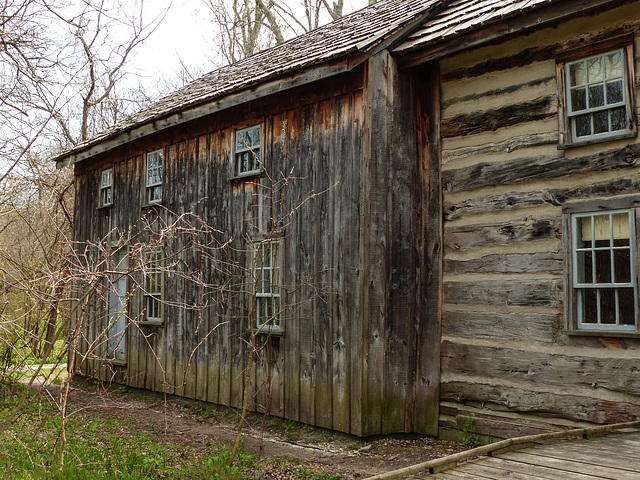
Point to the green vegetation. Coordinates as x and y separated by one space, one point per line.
105 448
470 438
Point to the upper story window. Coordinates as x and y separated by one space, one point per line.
266 269
154 177
248 151
603 277
599 96
106 187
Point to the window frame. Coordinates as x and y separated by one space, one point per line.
104 188
237 152
572 310
153 259
273 295
153 186
567 139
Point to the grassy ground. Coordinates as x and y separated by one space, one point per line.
101 447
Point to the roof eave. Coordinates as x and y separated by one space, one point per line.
202 109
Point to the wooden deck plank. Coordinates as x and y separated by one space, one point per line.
535 470
575 466
486 470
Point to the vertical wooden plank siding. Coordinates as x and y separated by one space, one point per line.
428 194
507 357
346 358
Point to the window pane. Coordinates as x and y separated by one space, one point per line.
625 306
589 297
622 265
585 267
618 120
577 74
239 140
614 65
602 228
595 70
248 139
601 122
608 306
256 137
621 227
596 96
583 125
578 99
603 266
614 92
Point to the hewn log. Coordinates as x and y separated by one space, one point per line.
508 263
538 327
506 116
504 233
614 374
545 404
507 146
555 197
523 169
542 293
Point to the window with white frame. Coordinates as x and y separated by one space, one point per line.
603 271
266 269
248 151
106 187
154 177
153 286
599 97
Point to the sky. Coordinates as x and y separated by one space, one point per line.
186 34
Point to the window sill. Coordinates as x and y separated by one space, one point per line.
601 333
593 141
271 332
148 206
113 361
247 176
146 323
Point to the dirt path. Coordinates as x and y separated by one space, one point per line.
176 421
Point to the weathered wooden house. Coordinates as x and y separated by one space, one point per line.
462 238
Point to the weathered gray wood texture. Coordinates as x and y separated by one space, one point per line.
356 353
505 357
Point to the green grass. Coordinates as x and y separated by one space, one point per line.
105 448
98 448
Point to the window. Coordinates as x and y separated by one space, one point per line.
598 96
153 286
106 187
248 153
603 273
267 284
154 177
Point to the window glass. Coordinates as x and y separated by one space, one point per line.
603 270
267 284
596 96
248 150
154 176
106 187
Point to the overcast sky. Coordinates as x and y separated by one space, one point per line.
186 33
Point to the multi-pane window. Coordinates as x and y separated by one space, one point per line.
596 95
248 152
267 284
603 270
154 176
153 286
106 187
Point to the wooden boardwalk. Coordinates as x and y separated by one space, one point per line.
615 456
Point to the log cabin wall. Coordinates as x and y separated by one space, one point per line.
352 341
507 359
